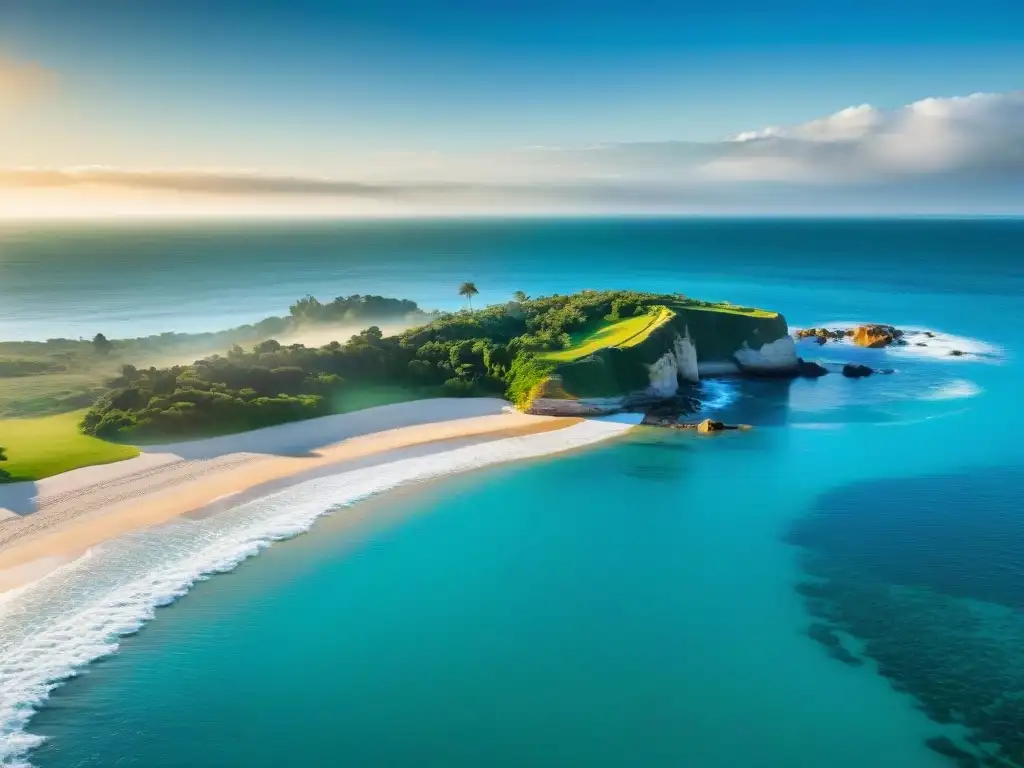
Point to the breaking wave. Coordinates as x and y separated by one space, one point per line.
52 628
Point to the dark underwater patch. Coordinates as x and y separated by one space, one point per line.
962 535
929 574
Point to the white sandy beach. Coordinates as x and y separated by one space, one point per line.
50 522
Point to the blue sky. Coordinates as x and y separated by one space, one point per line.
321 88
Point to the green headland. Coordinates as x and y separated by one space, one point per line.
589 352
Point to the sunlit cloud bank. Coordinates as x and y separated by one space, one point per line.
961 154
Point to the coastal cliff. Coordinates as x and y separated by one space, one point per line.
681 341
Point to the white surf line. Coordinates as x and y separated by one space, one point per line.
51 629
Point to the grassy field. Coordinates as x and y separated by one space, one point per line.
48 445
38 448
726 308
50 393
621 333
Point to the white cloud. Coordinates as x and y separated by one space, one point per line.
981 133
847 124
938 154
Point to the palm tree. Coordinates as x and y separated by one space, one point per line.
520 296
469 290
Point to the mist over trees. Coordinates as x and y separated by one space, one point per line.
457 354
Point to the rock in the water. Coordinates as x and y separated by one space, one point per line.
822 335
956 353
666 413
875 335
657 418
856 371
809 370
710 425
920 344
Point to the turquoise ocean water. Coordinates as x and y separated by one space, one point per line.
834 588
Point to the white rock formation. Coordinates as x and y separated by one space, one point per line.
686 358
678 364
664 376
777 356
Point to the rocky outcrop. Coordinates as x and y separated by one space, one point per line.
667 413
706 427
709 425
686 357
809 370
554 400
824 335
772 359
678 364
664 376
856 371
596 406
876 335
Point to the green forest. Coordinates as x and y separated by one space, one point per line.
39 378
498 350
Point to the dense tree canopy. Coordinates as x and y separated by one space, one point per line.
101 344
489 351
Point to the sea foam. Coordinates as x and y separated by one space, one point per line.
938 345
52 628
716 394
953 390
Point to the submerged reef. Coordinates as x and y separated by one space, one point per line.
928 576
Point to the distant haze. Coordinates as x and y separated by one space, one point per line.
935 155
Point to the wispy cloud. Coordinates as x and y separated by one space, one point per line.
22 81
935 154
227 182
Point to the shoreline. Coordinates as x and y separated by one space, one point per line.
84 508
